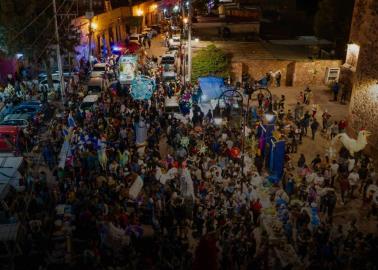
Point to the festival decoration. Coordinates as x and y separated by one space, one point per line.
352 145
184 141
142 88
235 152
202 148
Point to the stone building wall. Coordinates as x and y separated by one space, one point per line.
258 68
364 102
293 73
312 72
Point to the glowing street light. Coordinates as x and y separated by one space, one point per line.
176 8
185 20
139 12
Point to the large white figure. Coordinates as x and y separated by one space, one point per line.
353 145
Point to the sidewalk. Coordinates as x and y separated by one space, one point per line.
321 97
157 46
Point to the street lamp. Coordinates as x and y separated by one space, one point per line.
185 20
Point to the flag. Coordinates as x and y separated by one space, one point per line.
71 121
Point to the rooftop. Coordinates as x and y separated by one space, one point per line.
259 49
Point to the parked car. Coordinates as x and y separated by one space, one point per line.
169 76
172 107
19 120
88 102
175 41
134 38
35 112
10 137
168 61
44 85
157 28
95 85
98 70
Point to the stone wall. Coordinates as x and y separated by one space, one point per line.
312 72
364 102
294 73
258 68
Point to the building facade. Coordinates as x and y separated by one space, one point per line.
112 27
362 57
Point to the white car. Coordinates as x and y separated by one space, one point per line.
98 70
168 61
88 102
44 85
175 41
169 75
134 38
171 106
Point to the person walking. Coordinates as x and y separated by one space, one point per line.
305 122
314 127
325 117
344 187
281 104
278 79
334 129
298 111
344 94
342 125
307 96
335 90
354 179
301 161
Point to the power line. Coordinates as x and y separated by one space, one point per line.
47 26
32 21
60 25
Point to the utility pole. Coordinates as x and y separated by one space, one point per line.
89 15
189 40
59 58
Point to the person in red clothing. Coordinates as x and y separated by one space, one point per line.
342 125
256 209
344 186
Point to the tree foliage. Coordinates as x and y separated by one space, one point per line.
333 19
210 61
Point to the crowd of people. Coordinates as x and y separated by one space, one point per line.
141 189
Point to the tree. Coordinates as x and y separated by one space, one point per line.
210 61
29 29
333 20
